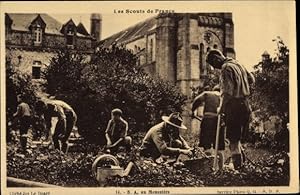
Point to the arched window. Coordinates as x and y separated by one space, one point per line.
151 50
201 58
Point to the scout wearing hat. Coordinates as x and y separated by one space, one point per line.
116 131
164 138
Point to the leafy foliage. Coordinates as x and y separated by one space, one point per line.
110 79
272 83
18 83
75 170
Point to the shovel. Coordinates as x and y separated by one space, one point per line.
215 166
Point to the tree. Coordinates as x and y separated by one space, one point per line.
110 79
17 83
272 83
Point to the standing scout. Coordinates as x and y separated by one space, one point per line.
116 132
66 120
211 100
23 113
235 88
164 139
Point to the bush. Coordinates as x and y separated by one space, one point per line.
272 83
110 79
17 83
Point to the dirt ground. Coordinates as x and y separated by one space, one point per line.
74 169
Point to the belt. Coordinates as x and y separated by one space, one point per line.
210 114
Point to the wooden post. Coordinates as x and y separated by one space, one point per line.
217 142
15 182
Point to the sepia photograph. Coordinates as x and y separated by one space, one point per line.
149 98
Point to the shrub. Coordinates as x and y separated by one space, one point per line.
17 83
110 79
272 83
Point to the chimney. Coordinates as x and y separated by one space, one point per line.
96 21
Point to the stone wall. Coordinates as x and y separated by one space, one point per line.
166 44
54 41
183 55
138 47
24 60
83 44
50 41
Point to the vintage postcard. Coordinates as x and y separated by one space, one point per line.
148 97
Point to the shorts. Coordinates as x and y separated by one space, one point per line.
237 114
25 123
208 134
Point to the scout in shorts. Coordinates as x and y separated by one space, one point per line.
235 88
211 101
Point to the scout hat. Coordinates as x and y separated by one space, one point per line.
174 119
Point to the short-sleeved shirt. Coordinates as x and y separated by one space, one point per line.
23 110
235 80
157 139
117 129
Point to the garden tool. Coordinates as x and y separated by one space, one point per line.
215 166
245 157
107 165
202 165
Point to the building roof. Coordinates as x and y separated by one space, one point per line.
265 53
149 25
81 29
21 22
131 33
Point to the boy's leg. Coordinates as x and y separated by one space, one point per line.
221 159
206 135
71 120
57 132
236 154
24 127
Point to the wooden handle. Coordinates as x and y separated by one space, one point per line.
217 142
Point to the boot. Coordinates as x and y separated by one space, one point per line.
65 147
56 144
221 160
237 161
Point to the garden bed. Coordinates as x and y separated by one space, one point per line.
74 170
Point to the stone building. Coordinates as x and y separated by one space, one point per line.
174 47
33 39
